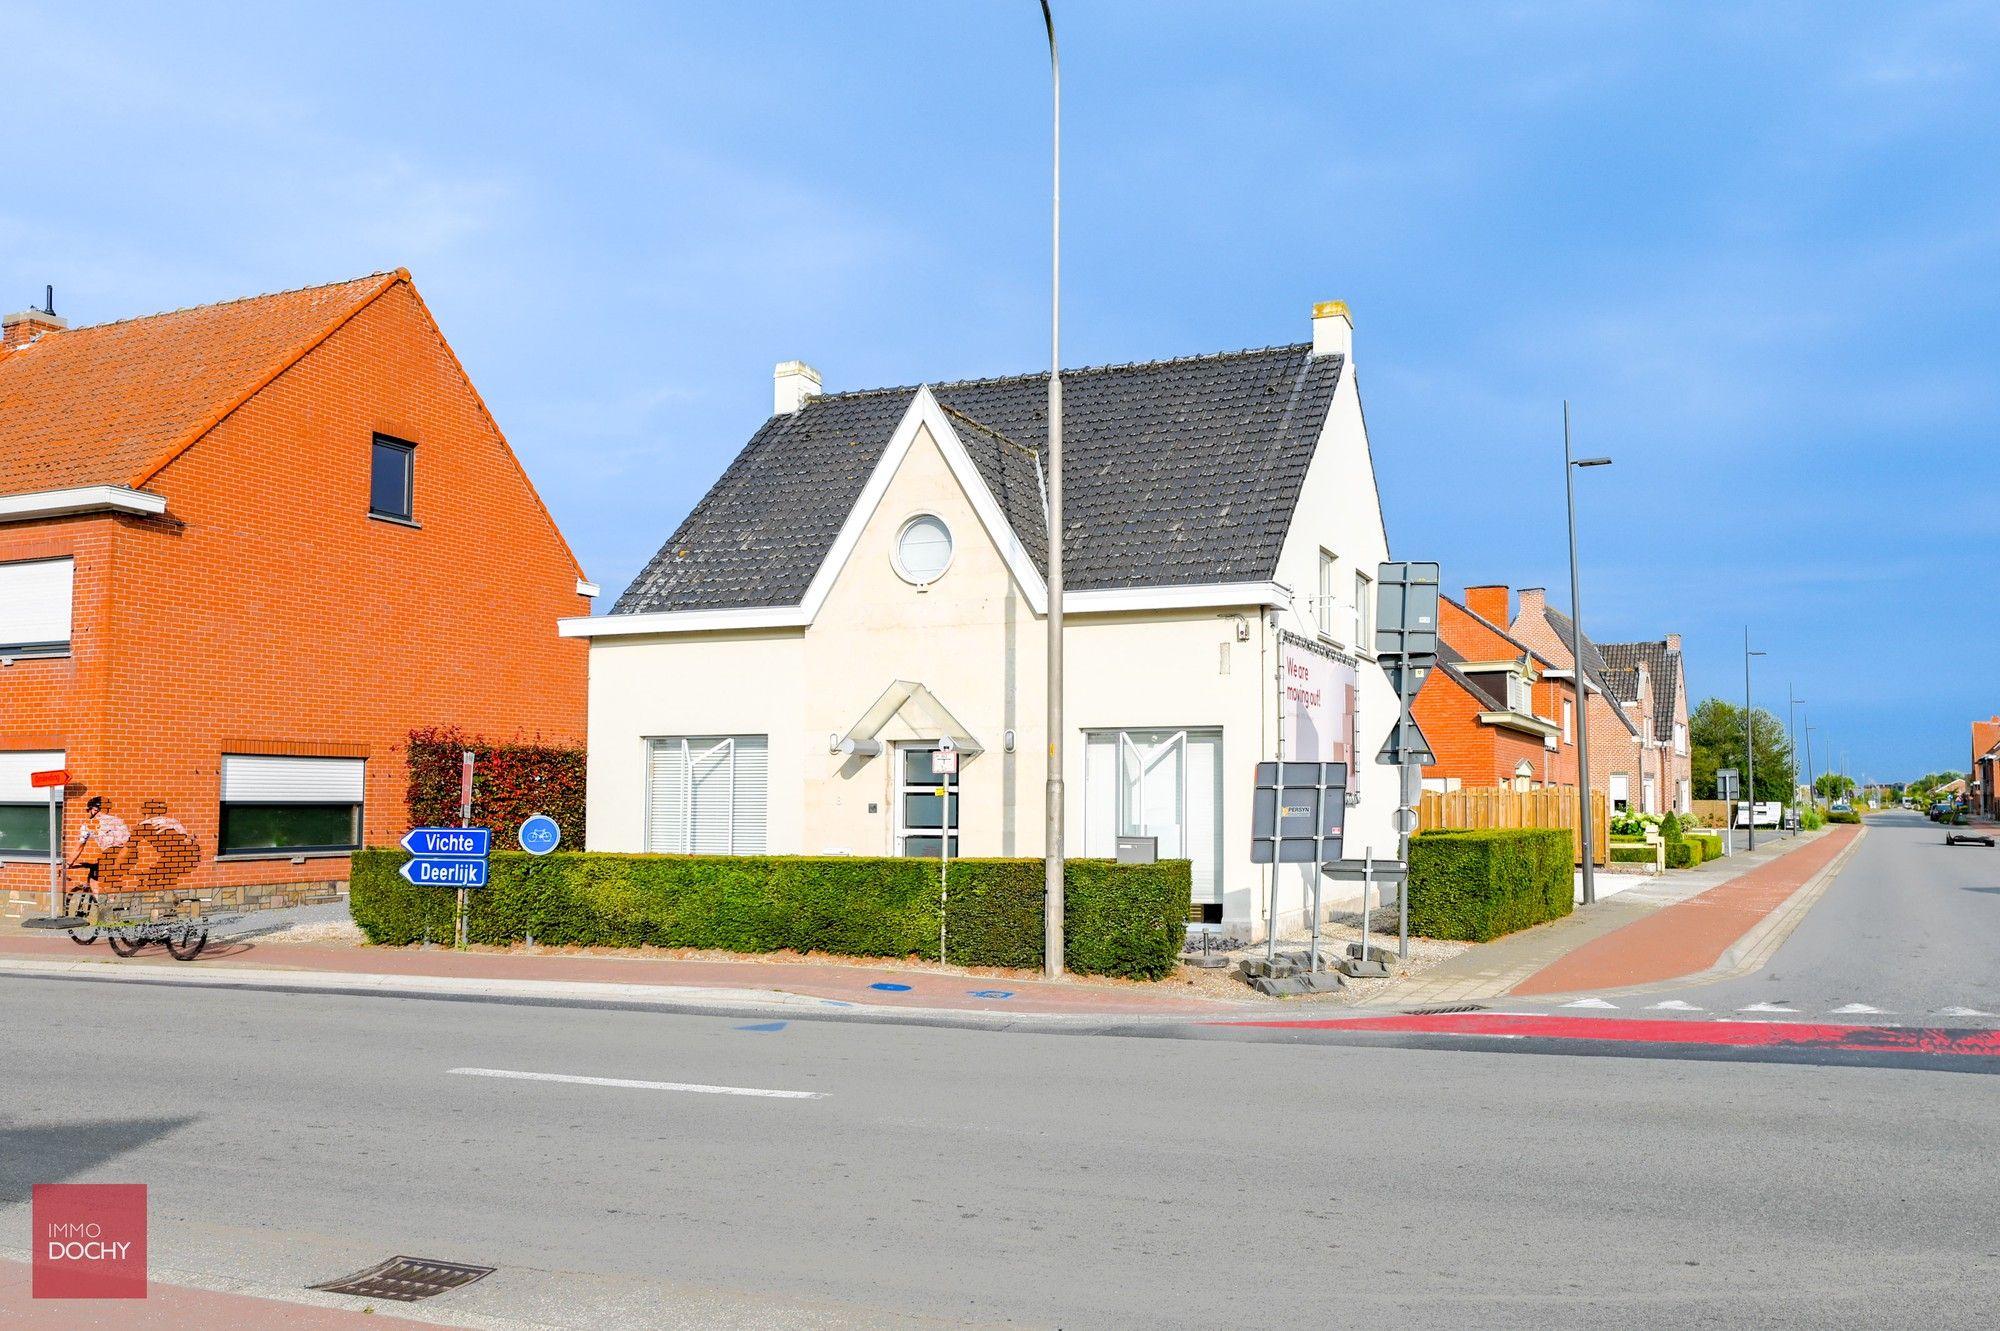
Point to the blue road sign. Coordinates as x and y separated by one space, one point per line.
449 842
445 873
539 835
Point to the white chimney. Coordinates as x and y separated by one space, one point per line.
1333 329
792 382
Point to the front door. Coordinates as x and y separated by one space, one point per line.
924 817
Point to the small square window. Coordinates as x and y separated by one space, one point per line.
389 481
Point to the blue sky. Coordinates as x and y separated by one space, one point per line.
1757 246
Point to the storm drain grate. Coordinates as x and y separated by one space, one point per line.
1445 1011
407 1279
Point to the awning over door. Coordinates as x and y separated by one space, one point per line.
906 711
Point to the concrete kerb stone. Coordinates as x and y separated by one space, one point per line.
685 1000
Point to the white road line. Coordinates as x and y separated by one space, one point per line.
1857 1008
695 1087
1960 1012
1767 1007
1675 1005
1590 1002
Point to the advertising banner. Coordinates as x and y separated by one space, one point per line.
1318 702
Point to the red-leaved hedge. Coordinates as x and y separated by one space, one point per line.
511 779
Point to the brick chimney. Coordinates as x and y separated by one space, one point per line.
18 330
1673 642
1534 600
792 382
1489 603
1333 329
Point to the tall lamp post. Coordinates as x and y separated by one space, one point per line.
1052 851
1749 739
1570 464
1812 777
1792 720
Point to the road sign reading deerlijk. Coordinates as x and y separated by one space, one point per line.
449 842
445 873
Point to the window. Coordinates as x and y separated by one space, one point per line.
1158 783
1364 613
1569 721
24 810
923 549
1621 792
1524 775
1325 603
707 794
1520 694
1681 801
390 479
34 607
923 817
1680 738
290 806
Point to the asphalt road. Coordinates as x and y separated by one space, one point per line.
951 1177
1909 928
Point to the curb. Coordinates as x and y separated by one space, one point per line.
1747 954
687 1000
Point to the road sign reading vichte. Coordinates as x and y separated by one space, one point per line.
48 780
449 842
539 834
445 873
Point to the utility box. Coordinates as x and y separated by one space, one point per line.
1138 850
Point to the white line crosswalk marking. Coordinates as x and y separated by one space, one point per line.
1675 1005
1591 1002
1856 1008
1960 1012
1767 1007
629 1084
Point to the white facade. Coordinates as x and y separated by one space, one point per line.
1172 693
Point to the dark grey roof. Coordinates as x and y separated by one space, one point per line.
1662 667
1174 472
1594 667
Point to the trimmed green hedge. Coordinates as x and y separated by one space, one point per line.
1711 845
1840 816
1683 854
1122 919
1476 885
1632 855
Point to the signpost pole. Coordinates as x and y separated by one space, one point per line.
464 820
1367 882
56 849
1412 778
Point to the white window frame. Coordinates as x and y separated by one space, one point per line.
1364 613
15 767
712 748
1680 738
1102 840
896 549
1520 693
1569 720
41 583
947 832
258 780
1329 595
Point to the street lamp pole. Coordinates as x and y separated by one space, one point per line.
1812 778
1792 721
1052 851
1749 739
1570 464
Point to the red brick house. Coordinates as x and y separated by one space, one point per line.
1492 713
244 548
1983 794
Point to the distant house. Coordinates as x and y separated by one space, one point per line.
1491 712
864 588
244 548
1649 680
1984 790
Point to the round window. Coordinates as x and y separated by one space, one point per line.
923 549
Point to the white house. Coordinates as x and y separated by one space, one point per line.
866 580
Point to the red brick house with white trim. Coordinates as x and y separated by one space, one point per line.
1492 713
244 548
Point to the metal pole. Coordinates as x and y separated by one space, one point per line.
944 854
1812 779
1576 652
1367 882
464 820
1749 741
56 849
1052 863
1410 790
1792 719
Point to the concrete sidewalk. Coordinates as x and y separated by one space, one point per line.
177 1308
620 977
1674 925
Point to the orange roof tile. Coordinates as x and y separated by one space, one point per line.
113 403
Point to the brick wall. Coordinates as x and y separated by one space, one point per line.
267 612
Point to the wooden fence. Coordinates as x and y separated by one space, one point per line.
1497 806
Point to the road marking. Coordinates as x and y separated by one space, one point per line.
1856 1008
1676 1005
626 1082
1590 1002
1961 1012
764 1026
1767 1007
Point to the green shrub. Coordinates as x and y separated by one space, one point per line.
1632 855
1845 816
1711 846
1476 885
1121 919
1670 828
1811 819
1683 854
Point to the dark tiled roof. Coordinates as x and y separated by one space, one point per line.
1662 667
1174 472
1594 666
